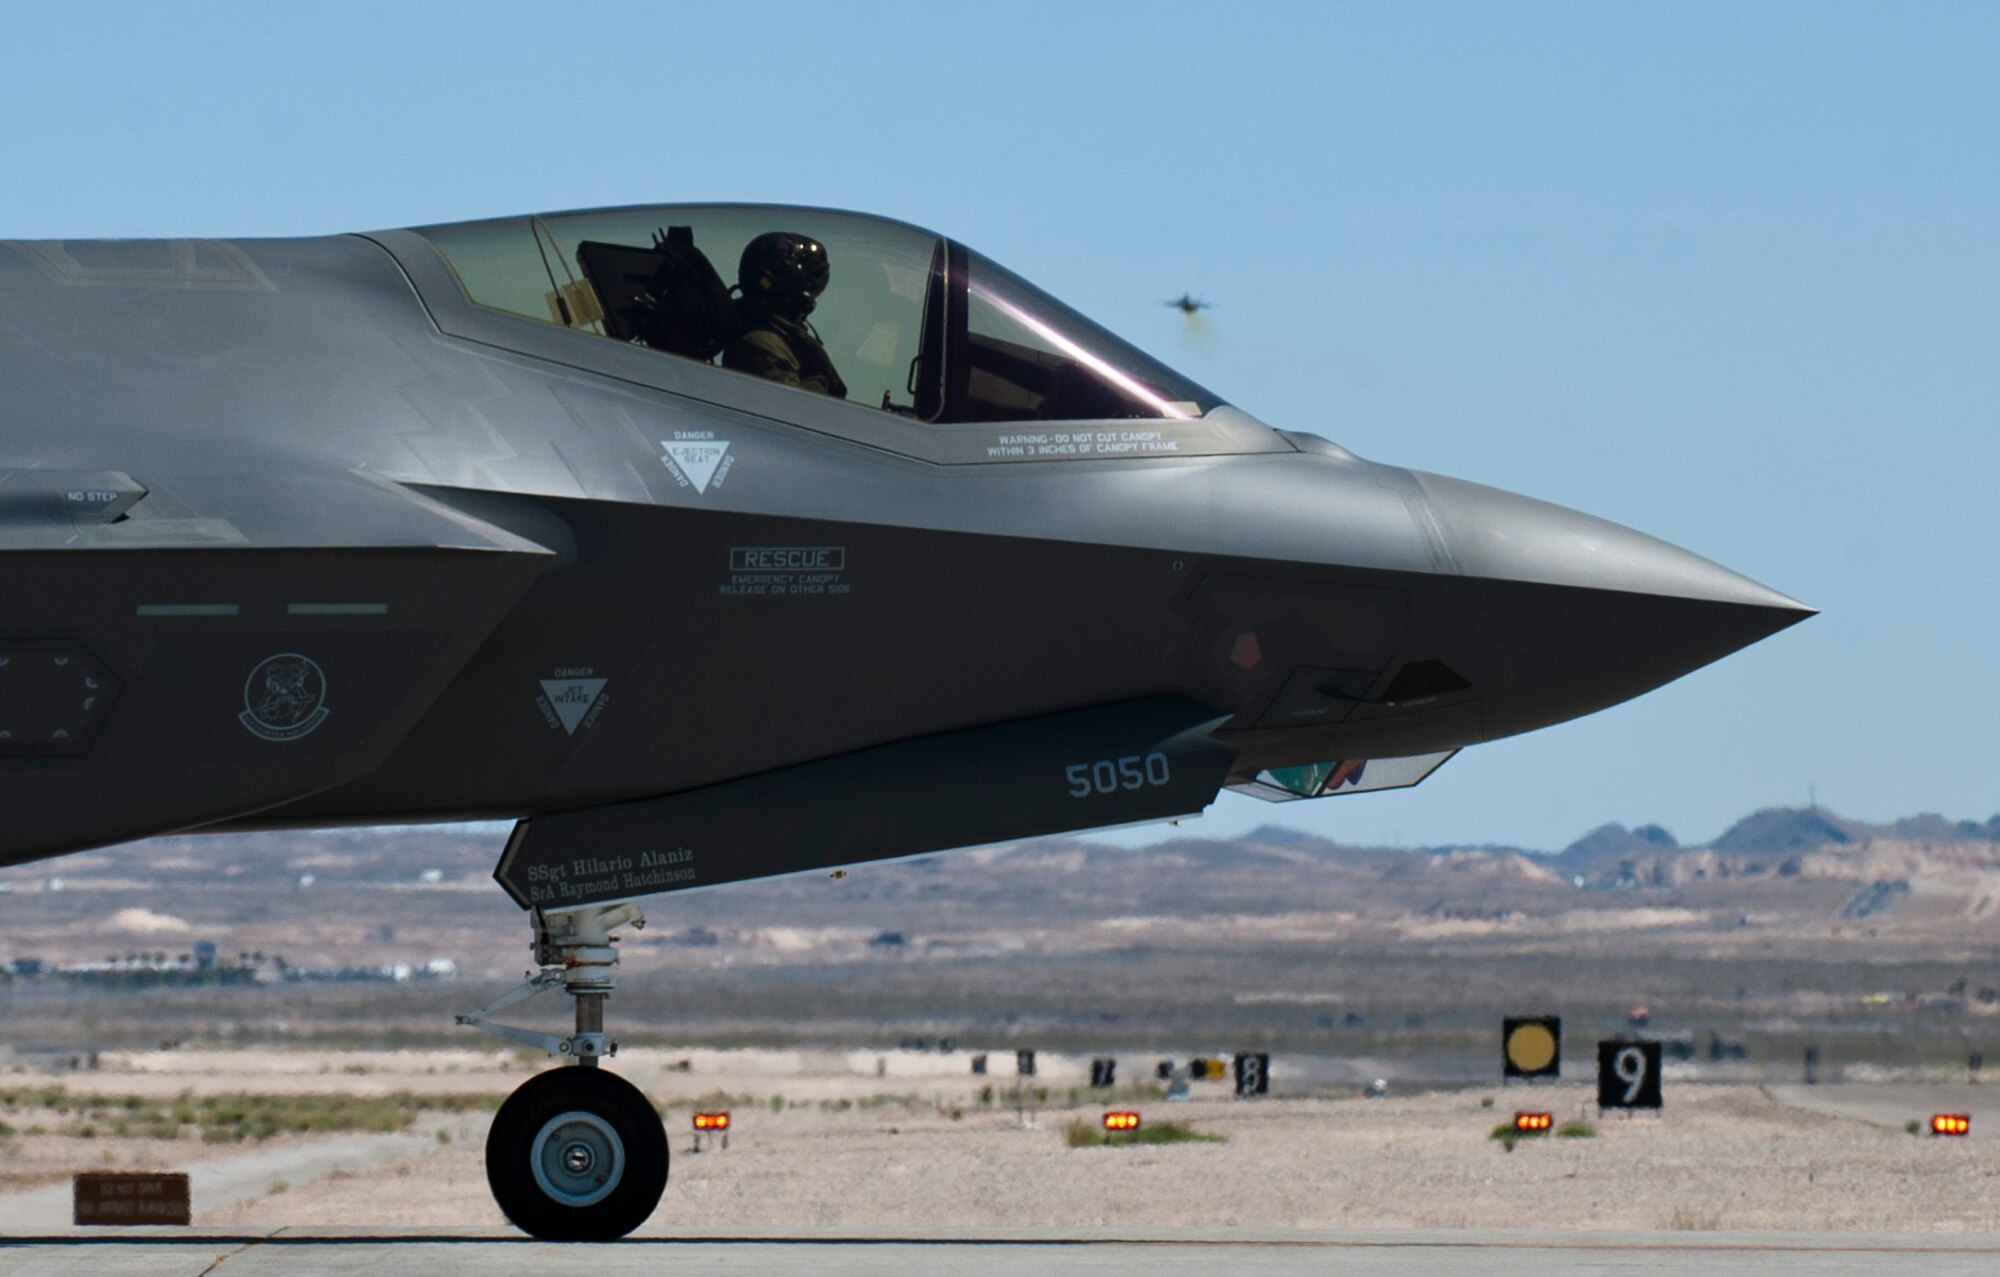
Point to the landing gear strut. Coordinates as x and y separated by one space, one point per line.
575 1154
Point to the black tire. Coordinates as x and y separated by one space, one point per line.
576 1154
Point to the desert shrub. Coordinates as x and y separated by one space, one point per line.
1509 1135
1079 1133
236 1116
1688 1219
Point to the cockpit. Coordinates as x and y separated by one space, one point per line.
875 312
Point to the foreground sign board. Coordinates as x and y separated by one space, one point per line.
109 1197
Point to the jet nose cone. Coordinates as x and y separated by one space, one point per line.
1508 537
1580 613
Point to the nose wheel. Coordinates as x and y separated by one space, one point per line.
577 1154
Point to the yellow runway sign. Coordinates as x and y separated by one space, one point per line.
1531 1046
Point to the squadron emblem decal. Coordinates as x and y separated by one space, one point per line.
284 698
697 459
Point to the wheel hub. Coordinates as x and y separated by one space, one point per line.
577 1158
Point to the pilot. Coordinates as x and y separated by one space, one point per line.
781 277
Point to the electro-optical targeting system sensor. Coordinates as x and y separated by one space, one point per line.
698 579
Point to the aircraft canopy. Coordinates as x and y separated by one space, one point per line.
913 323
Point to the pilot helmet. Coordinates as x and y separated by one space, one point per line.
786 271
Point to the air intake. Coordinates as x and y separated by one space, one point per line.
1423 680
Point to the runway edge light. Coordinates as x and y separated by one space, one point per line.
1532 1122
1951 1123
711 1121
1120 1120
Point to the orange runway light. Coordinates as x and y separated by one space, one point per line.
1526 1121
711 1121
1951 1123
1119 1121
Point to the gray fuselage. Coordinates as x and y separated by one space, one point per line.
293 532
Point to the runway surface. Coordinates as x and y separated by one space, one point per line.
104 1253
1893 1104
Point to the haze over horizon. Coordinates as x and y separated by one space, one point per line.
1761 829
1720 273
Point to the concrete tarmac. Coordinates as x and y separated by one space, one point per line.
988 1253
1892 1104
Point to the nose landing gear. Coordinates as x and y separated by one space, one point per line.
575 1154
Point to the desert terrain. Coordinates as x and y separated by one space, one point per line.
1878 950
823 1140
273 1013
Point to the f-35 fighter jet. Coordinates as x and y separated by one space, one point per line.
712 542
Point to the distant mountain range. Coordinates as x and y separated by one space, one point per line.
1773 829
406 896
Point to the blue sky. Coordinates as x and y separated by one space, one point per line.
1725 273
